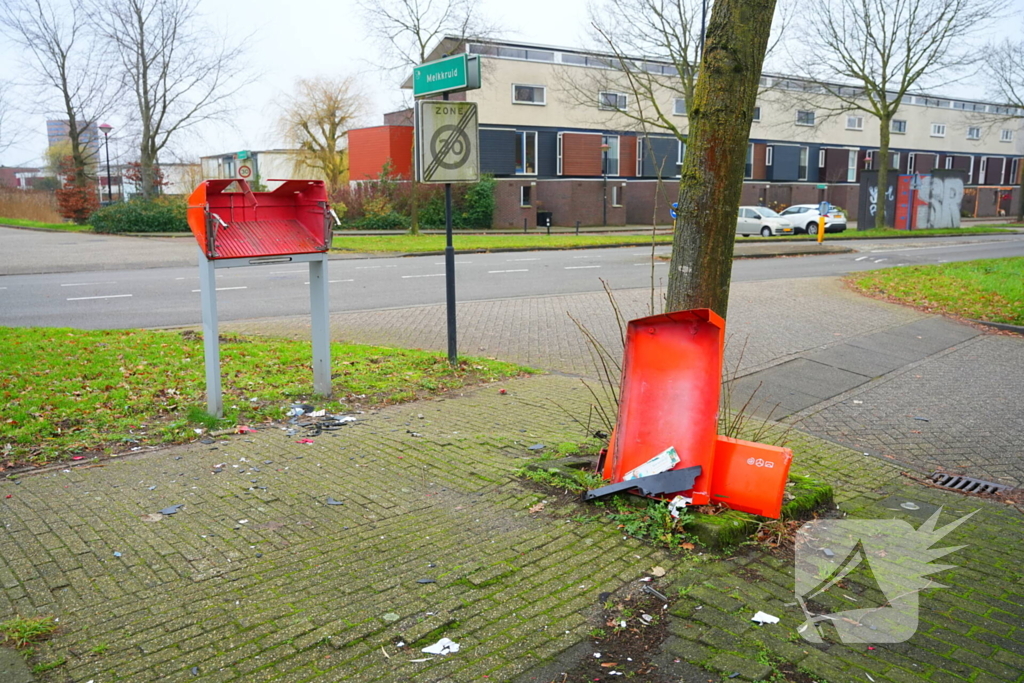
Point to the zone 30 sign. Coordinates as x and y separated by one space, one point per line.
447 149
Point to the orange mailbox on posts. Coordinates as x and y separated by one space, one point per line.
238 227
671 381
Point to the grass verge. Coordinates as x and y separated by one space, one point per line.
67 392
419 243
990 289
65 227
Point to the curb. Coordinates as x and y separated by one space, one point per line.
1006 327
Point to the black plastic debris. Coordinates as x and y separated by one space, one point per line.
922 419
172 509
828 552
657 594
666 482
331 501
206 440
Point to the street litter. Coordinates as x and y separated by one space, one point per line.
318 413
677 505
536 447
537 508
331 501
78 457
425 581
665 482
660 596
390 616
117 554
305 441
764 618
425 659
244 429
658 571
152 517
172 509
662 462
442 647
646 618
910 506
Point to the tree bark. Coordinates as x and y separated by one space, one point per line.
712 175
883 169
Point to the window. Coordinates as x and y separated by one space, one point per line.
679 107
938 130
821 158
769 155
1014 171
229 167
804 118
526 153
681 154
851 167
802 171
529 94
617 191
949 163
558 154
757 114
895 160
982 167
912 162
610 154
748 168
1005 135
640 157
898 126
869 159
854 123
525 195
614 101
974 133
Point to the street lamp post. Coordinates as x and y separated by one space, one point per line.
106 128
604 174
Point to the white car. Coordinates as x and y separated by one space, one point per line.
760 220
804 218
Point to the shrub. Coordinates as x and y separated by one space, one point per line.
76 199
161 215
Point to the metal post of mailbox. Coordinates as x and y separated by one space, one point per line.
320 324
211 335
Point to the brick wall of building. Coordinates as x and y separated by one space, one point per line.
508 211
371 148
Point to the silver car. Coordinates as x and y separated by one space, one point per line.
760 220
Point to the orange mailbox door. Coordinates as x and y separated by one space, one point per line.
750 477
671 378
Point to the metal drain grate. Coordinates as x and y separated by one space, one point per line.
963 484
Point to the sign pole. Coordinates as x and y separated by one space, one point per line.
211 336
320 325
449 273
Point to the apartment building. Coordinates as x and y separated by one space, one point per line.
560 132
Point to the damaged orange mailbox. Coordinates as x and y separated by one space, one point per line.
665 443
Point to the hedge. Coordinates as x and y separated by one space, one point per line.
161 215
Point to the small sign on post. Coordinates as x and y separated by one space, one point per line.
824 208
447 75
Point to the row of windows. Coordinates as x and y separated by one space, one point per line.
899 126
668 69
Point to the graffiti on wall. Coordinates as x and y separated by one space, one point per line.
938 201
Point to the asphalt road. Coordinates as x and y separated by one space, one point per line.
169 296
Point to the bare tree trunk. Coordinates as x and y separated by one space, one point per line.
712 176
883 170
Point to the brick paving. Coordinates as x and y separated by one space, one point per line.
257 579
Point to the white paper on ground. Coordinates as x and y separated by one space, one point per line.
677 505
764 618
662 462
442 647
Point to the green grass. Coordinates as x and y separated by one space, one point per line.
66 227
991 289
420 243
20 631
411 244
66 392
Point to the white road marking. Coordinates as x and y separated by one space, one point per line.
221 289
109 296
431 275
82 284
333 281
860 259
367 267
3 288
580 267
522 259
657 263
458 263
517 270
589 256
879 260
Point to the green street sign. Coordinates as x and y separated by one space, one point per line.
822 187
451 74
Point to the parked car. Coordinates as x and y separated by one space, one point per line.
760 220
804 218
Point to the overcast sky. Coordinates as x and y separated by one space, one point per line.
298 39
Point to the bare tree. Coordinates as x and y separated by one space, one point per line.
64 58
406 31
1004 70
178 71
8 137
316 119
712 174
866 55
